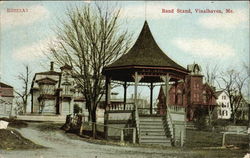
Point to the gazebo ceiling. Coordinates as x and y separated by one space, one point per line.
146 57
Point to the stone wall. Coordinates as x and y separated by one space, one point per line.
179 121
116 121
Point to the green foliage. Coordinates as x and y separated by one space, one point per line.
200 122
221 122
77 109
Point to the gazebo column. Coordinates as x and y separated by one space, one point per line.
151 97
166 79
137 79
176 92
125 94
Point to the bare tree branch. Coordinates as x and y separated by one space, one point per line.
89 40
25 78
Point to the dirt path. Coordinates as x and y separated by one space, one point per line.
60 145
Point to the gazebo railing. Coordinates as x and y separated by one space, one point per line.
170 123
137 124
155 111
175 108
120 106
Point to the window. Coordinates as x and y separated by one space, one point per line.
223 105
66 89
196 86
196 97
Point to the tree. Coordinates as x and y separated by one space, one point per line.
232 82
89 40
24 77
211 74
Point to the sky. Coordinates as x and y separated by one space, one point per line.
203 38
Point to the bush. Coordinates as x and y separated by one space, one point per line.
221 122
200 122
77 109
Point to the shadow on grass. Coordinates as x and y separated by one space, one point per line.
15 123
12 139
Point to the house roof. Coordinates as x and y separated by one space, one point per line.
66 66
218 93
48 73
46 80
145 52
3 85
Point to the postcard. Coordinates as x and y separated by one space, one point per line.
108 79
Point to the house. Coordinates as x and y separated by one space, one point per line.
56 93
223 108
6 99
198 97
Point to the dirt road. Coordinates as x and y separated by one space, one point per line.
61 145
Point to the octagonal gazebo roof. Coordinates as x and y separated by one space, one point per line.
145 54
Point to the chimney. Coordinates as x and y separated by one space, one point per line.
51 66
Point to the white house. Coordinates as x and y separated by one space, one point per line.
224 108
55 92
6 99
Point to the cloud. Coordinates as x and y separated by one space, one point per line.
33 14
153 11
33 51
226 20
204 47
87 1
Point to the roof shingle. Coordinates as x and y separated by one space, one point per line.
145 52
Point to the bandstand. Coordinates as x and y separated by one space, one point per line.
145 64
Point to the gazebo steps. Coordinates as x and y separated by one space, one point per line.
152 131
153 141
158 143
153 123
150 119
155 137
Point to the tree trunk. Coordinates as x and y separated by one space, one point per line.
93 115
233 117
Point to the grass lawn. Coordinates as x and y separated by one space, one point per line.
10 139
197 139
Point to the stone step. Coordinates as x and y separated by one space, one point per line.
152 127
152 133
158 143
146 128
146 137
151 119
151 122
151 141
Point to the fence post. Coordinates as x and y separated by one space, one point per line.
134 135
81 128
182 138
122 136
223 139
